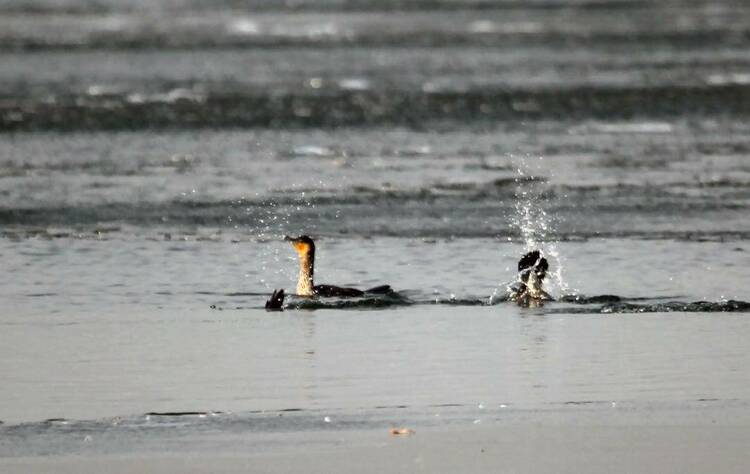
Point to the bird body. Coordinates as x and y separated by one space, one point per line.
532 269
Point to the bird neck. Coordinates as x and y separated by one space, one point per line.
306 270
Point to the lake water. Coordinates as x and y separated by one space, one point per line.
153 155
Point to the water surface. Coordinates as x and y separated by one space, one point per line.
152 156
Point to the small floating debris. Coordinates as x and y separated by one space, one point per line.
402 432
327 419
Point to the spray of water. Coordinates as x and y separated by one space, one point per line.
266 222
269 221
532 220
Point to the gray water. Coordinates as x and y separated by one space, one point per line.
153 155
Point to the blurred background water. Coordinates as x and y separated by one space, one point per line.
152 154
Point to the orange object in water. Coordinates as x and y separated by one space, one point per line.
402 432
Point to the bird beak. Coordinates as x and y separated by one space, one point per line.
289 239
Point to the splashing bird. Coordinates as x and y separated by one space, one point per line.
532 269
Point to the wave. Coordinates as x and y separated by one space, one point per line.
395 213
367 302
730 306
505 234
339 107
581 299
232 29
598 304
315 39
293 418
81 7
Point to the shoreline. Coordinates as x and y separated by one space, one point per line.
489 448
684 437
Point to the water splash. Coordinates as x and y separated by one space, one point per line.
531 219
266 226
269 221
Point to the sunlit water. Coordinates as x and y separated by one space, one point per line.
145 189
